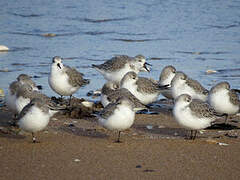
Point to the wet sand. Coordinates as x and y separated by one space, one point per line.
154 148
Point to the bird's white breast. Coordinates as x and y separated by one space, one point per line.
220 101
35 120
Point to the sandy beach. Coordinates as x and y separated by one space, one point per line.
154 148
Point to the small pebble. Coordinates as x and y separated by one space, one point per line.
76 160
149 126
138 166
3 48
222 144
149 170
1 92
49 35
210 71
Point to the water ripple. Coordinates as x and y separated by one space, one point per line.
100 20
26 15
203 52
137 40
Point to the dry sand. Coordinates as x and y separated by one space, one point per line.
154 148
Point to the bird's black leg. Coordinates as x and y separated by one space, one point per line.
226 118
118 139
33 138
70 100
195 134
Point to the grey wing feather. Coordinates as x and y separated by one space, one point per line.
75 77
234 97
108 110
116 62
202 109
196 86
123 92
146 85
25 110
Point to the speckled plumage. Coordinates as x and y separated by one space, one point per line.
202 109
123 92
114 63
75 77
196 86
146 85
166 72
109 88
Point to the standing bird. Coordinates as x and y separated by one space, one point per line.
117 116
65 80
181 84
224 99
165 78
115 68
34 117
144 89
193 114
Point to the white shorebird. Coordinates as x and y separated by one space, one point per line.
117 116
181 84
25 94
165 78
108 88
224 99
34 117
14 86
11 97
115 68
144 89
65 80
193 114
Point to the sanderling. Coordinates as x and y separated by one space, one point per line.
14 86
223 99
144 89
165 78
11 97
34 117
193 114
117 116
123 92
65 80
181 84
108 88
25 94
115 68
26 79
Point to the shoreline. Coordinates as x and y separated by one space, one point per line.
155 147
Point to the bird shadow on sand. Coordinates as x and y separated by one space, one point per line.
87 132
222 126
10 134
163 132
6 130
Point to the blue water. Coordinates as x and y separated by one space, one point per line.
194 36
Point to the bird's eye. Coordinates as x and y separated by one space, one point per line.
188 99
139 60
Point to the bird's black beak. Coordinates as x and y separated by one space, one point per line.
145 66
58 64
